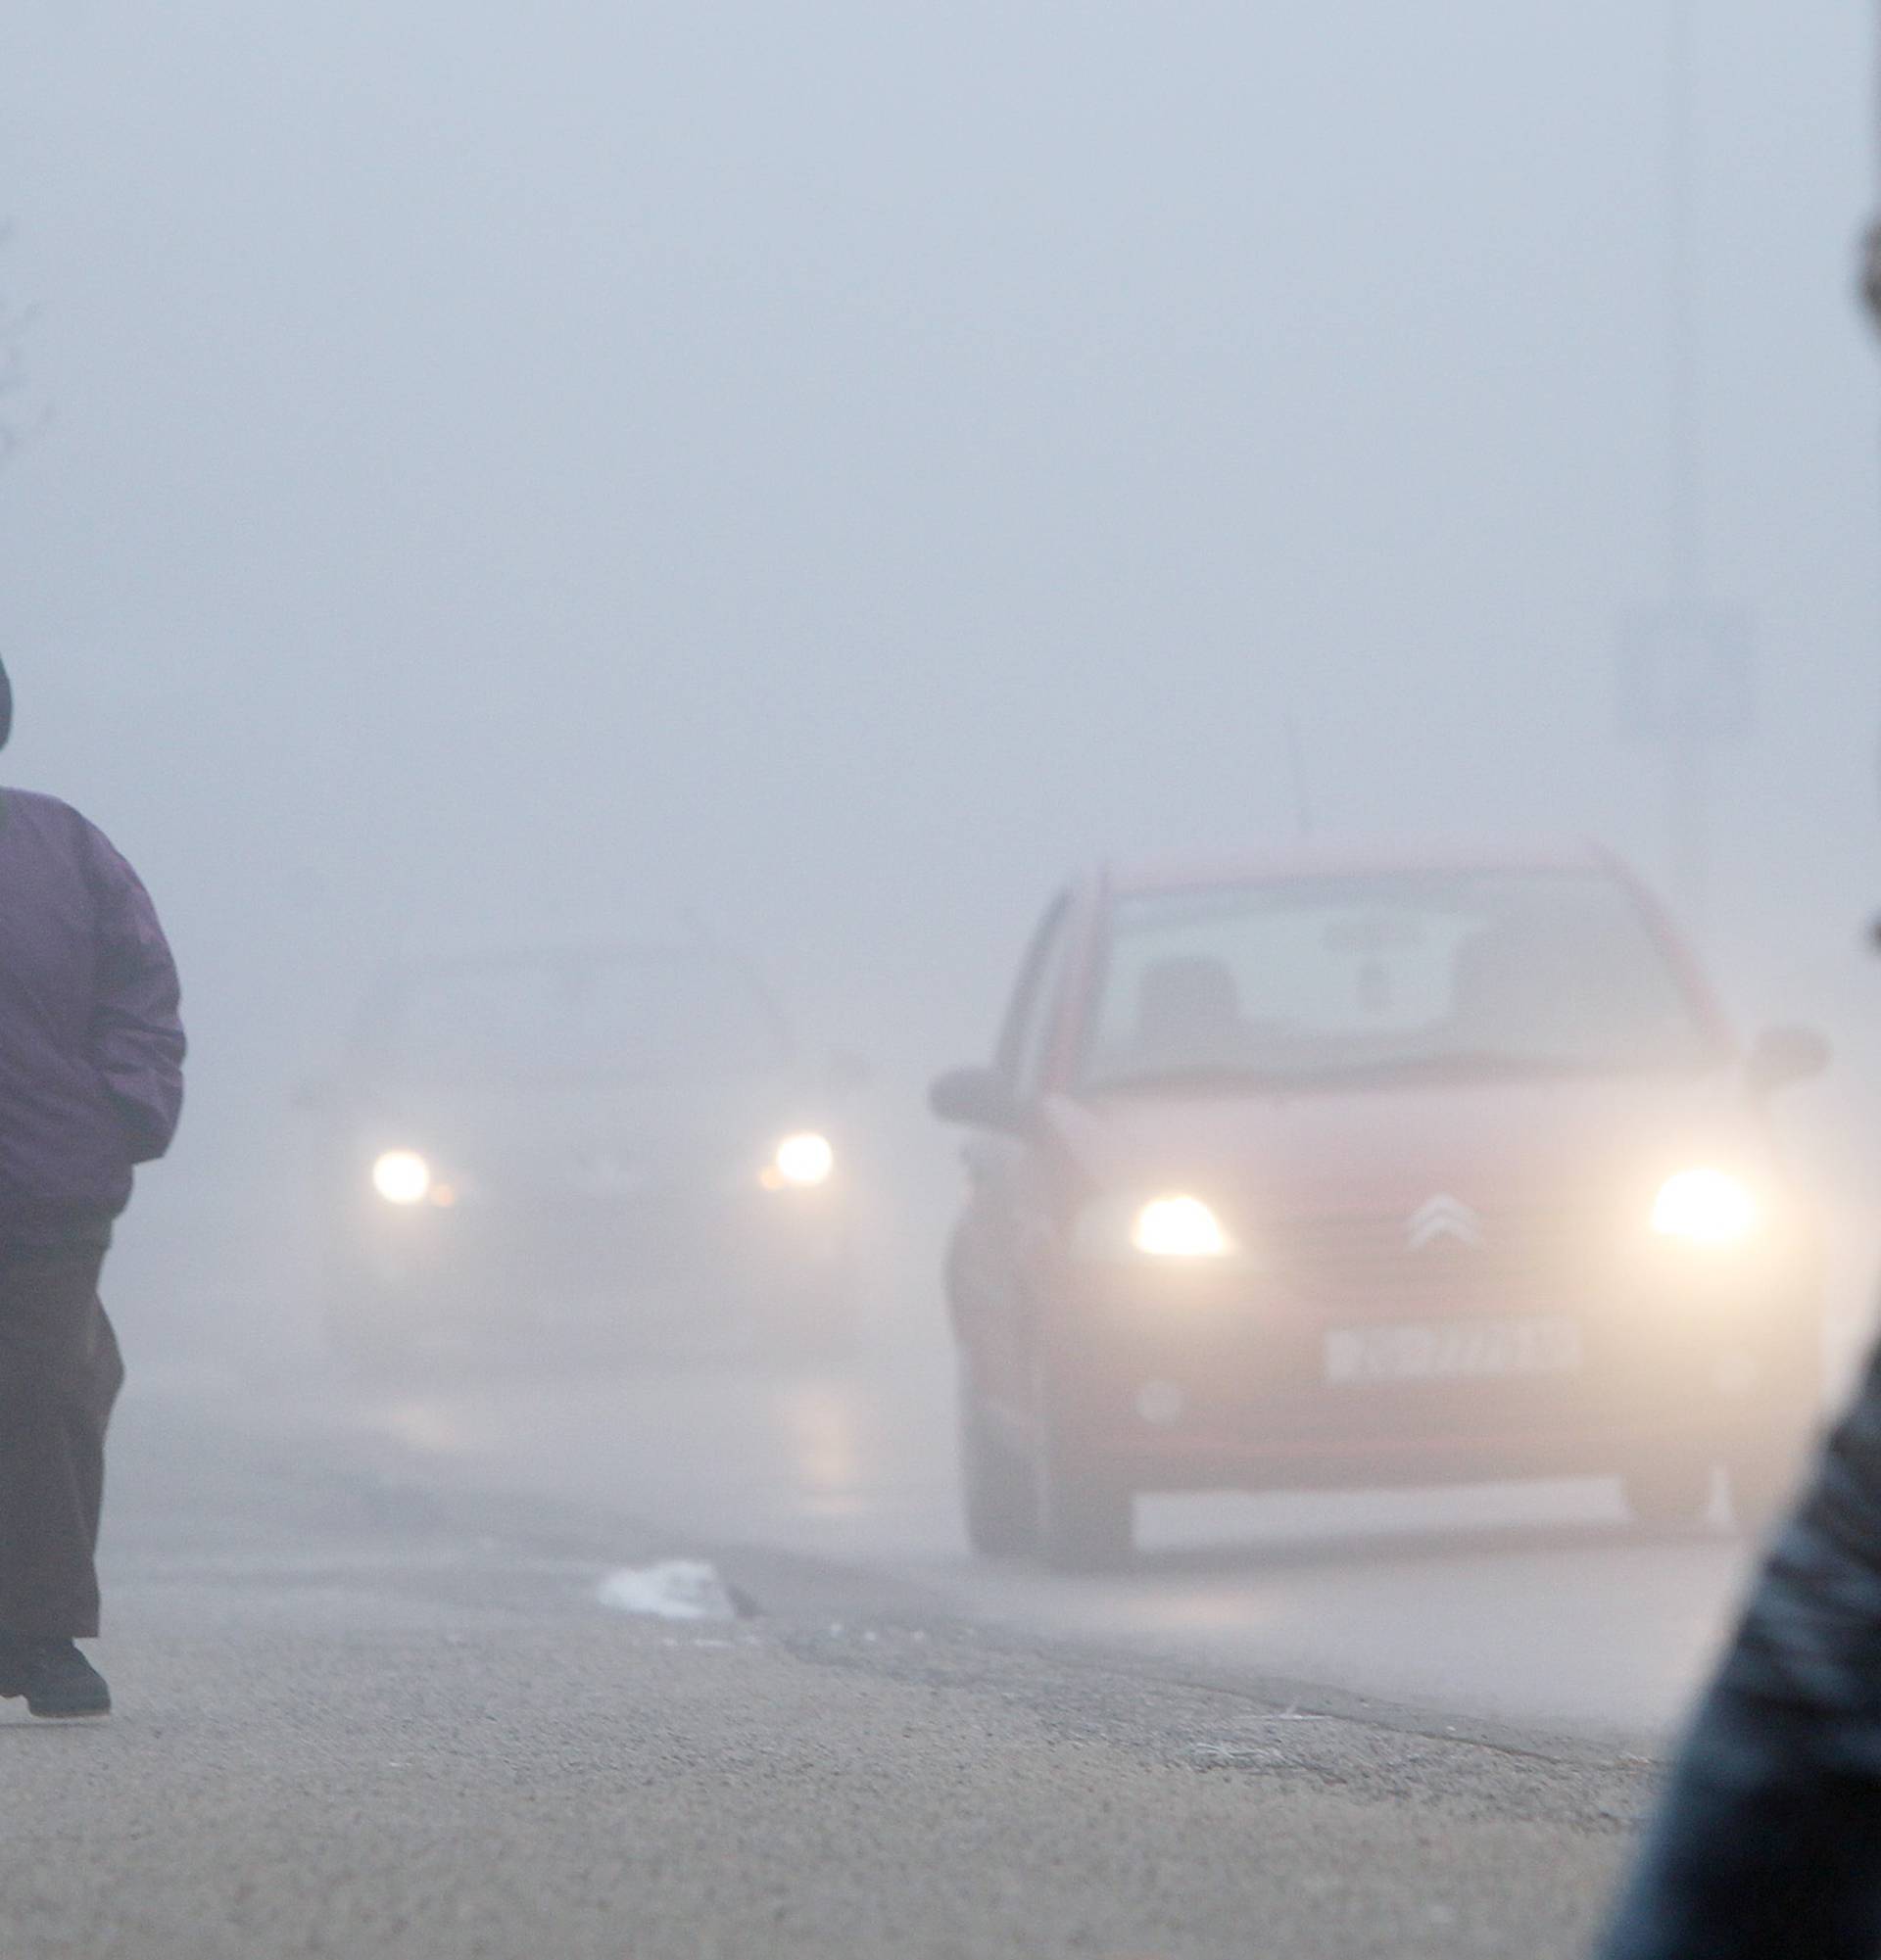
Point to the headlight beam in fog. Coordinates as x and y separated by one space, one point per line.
1179 1227
402 1177
1706 1206
802 1162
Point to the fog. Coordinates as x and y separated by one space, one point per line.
808 477
839 467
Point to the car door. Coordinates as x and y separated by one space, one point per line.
1005 1224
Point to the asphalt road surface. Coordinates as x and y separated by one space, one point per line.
371 1701
1533 1603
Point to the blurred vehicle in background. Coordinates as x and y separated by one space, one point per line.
540 1151
1387 1168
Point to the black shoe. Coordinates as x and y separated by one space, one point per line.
58 1683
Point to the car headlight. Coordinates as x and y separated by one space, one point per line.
402 1177
1179 1227
1175 1227
802 1162
1707 1207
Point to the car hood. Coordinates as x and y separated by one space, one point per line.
1489 1145
665 1124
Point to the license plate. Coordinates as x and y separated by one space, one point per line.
1452 1351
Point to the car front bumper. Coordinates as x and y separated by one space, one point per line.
548 1256
1191 1380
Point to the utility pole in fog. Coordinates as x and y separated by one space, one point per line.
1870 277
13 327
1685 665
1684 550
1687 765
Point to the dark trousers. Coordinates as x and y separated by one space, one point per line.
60 1373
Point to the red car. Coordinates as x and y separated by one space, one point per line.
1373 1168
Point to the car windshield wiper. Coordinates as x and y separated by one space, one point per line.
1186 1076
1463 1061
1204 1075
1486 1062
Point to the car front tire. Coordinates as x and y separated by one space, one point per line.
997 1490
1086 1522
1087 1514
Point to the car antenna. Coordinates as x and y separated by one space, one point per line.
1296 767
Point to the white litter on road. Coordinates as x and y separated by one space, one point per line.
676 1589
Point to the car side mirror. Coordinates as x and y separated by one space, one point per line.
1785 1055
980 1098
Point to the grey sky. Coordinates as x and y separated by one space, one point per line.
848 461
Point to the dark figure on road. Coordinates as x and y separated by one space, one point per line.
92 1054
1769 1840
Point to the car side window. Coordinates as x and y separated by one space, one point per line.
1027 1040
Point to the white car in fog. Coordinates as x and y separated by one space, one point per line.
531 1151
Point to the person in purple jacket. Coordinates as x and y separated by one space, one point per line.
92 1054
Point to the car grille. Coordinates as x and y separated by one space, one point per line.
1498 1261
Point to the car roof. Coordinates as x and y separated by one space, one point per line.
397 979
1134 875
563 952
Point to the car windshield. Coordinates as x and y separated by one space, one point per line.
574 1017
1303 979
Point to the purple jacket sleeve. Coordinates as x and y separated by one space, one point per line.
136 1031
